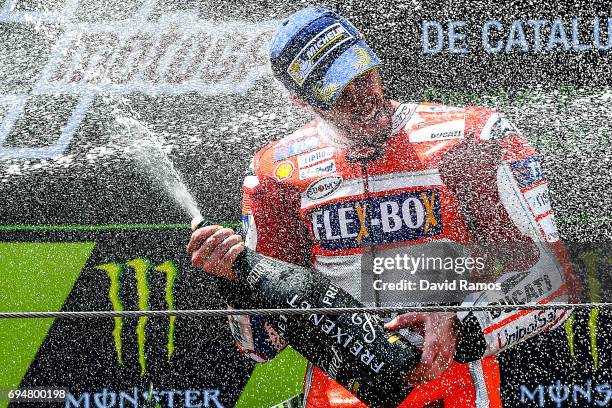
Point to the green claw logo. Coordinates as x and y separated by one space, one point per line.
591 262
142 268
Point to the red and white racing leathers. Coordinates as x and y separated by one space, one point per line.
459 175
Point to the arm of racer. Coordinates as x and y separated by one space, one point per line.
440 338
214 249
509 204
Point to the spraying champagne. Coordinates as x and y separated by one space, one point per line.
355 350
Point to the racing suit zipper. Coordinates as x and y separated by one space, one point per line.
368 218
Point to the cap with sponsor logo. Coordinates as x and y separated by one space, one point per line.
316 53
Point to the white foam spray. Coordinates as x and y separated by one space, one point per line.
147 149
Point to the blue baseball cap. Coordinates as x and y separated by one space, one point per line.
315 53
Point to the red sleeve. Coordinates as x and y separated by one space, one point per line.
498 179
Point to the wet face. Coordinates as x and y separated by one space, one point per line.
362 111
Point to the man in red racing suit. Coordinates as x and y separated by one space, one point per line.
298 208
436 174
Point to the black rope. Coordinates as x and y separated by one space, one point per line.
271 312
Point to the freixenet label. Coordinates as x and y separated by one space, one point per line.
346 339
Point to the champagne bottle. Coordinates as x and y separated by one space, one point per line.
353 349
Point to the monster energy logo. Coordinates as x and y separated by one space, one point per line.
591 262
142 268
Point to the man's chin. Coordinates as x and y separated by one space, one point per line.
373 135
